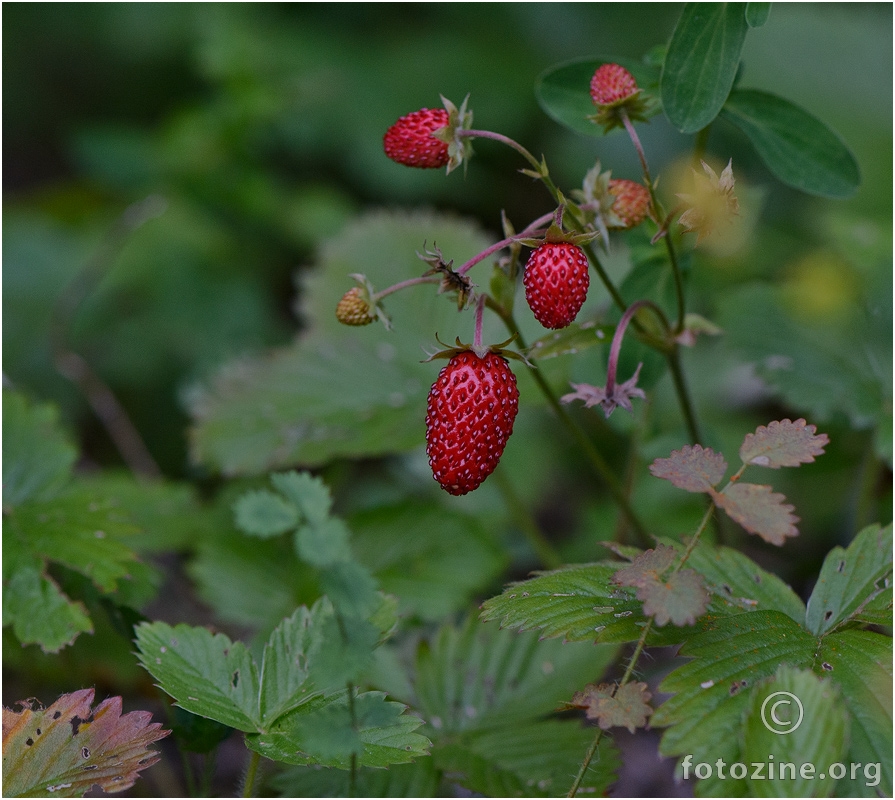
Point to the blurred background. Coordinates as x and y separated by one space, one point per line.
256 132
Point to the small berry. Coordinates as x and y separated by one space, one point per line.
471 409
410 141
353 309
631 204
610 84
556 282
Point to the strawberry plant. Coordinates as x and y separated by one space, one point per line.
641 507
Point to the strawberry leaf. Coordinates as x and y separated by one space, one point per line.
579 603
64 750
264 514
616 706
695 469
323 544
678 599
851 579
783 444
759 510
647 567
309 494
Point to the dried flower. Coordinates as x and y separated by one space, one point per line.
711 203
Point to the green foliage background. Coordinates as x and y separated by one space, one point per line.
259 129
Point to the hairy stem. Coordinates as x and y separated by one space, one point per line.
248 783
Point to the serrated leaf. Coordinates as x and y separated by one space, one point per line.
757 14
570 340
380 734
578 603
480 677
680 598
783 444
850 579
512 761
693 468
37 455
814 732
433 559
344 651
324 544
646 567
350 587
339 391
205 673
701 63
563 90
418 779
264 514
64 750
759 510
796 146
615 706
861 663
309 494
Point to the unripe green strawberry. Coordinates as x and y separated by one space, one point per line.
353 309
556 282
611 84
631 204
410 141
471 409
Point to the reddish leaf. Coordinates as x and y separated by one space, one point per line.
64 750
680 599
759 511
783 444
628 708
696 468
647 567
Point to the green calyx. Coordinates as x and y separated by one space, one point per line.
480 350
556 235
459 147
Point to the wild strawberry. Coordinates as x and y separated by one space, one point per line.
631 203
610 84
471 409
410 141
353 309
556 282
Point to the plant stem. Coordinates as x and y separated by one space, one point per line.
591 751
405 285
683 396
531 229
527 524
352 774
248 784
694 539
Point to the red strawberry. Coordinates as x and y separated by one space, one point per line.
631 203
471 409
556 282
610 84
409 141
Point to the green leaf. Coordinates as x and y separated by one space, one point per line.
759 510
797 147
783 444
692 468
434 559
701 63
339 391
815 733
418 779
324 544
309 494
578 603
563 90
860 662
350 587
37 455
264 514
66 749
850 579
514 762
344 650
571 340
379 733
757 14
205 673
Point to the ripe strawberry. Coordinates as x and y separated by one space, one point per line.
353 309
556 281
409 141
471 409
610 84
631 203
